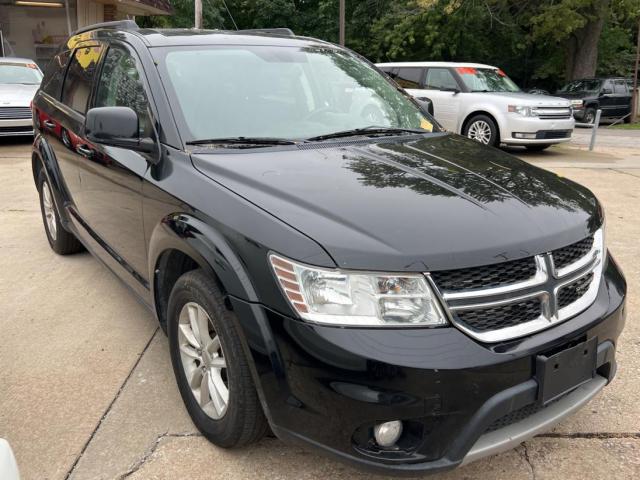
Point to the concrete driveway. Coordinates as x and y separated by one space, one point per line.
87 391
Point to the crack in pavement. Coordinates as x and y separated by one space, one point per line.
625 172
108 409
150 451
525 451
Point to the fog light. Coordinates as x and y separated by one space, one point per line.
524 135
387 433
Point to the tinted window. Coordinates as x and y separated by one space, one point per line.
54 74
620 87
608 84
121 85
440 79
409 77
77 84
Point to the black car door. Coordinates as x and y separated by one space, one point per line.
623 100
608 99
110 201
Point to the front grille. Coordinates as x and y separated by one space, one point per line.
503 316
520 414
488 276
23 129
552 134
14 113
554 113
574 291
486 301
567 255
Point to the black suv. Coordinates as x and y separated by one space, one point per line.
611 95
395 295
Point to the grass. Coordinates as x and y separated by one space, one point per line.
627 126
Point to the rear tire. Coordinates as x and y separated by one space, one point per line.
483 129
61 241
537 148
210 366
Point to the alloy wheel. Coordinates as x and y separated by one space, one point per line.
203 361
480 131
49 210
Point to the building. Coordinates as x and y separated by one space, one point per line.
35 28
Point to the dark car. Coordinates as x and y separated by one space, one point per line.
612 95
394 295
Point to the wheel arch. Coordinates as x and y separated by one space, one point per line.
180 243
486 112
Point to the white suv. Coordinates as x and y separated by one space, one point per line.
481 102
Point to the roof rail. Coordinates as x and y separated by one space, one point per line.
120 24
273 31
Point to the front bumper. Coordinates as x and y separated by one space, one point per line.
326 386
533 125
16 126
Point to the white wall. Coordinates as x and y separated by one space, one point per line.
24 27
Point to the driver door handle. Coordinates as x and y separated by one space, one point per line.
84 151
49 124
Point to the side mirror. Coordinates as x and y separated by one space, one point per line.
425 104
118 127
606 91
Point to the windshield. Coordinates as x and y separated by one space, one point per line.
582 86
487 80
281 92
23 73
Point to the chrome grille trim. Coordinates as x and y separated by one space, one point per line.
545 285
15 113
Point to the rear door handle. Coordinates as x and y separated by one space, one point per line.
84 151
49 124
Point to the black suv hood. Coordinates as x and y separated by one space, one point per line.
427 203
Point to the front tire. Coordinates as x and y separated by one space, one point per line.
590 115
210 366
61 241
483 129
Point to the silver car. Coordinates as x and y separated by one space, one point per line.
483 103
19 81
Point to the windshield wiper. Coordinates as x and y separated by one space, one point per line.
250 141
373 130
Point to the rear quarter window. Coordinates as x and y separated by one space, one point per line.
77 84
54 74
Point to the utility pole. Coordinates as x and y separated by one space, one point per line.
634 96
198 19
342 21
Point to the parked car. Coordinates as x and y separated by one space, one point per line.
612 95
482 103
19 81
397 296
538 91
8 465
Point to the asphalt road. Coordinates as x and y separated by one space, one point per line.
87 391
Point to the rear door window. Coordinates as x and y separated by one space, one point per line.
440 79
77 84
620 87
409 77
54 74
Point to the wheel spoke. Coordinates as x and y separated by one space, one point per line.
186 330
205 393
194 377
216 398
221 388
190 351
218 362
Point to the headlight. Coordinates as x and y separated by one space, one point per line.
524 111
577 103
346 298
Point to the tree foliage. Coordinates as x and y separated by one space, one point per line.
538 42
